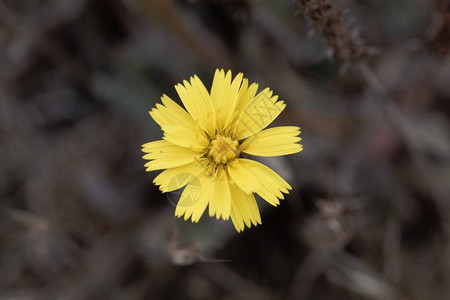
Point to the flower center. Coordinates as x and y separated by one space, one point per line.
223 149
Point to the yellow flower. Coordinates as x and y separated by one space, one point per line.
204 148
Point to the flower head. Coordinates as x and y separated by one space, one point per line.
203 148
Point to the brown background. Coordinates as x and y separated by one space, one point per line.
369 216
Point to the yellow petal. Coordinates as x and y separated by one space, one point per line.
170 113
246 94
195 198
242 174
163 155
258 114
220 201
198 103
244 209
273 142
271 184
175 178
224 94
185 137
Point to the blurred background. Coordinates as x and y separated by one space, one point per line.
367 80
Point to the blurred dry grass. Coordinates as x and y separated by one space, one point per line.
369 214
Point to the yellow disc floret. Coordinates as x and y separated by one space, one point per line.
223 149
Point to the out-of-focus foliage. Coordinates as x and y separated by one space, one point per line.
369 216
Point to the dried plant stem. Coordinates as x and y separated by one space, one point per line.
328 20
